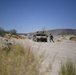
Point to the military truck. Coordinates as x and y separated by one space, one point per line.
40 37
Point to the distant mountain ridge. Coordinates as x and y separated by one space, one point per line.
62 32
55 32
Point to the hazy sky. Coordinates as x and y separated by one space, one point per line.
32 15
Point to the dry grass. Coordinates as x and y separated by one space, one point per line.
17 60
67 69
15 36
22 37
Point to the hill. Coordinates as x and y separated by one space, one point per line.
63 32
60 32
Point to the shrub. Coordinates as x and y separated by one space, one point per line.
72 38
13 31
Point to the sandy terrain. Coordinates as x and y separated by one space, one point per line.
62 50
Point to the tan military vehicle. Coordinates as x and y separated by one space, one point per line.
40 37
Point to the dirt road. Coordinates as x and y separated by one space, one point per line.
58 51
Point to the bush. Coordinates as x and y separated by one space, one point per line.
13 31
67 69
72 38
2 32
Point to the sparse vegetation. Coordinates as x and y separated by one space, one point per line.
18 36
12 33
17 60
72 38
15 36
67 69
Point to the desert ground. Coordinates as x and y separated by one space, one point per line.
55 53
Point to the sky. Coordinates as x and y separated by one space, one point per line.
33 15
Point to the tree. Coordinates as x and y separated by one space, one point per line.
2 32
13 31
